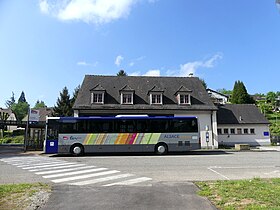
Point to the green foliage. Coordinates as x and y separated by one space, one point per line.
75 94
240 94
264 107
271 97
10 102
203 83
12 140
22 98
121 73
20 109
16 196
39 104
4 116
225 92
243 194
63 105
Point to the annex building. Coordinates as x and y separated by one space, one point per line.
153 96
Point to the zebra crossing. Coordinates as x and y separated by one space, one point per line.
71 173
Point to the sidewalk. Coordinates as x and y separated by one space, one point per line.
269 148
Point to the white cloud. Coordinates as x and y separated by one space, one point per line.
131 63
152 73
83 63
136 60
118 60
89 11
137 73
44 6
191 67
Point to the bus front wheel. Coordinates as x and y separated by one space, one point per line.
161 149
77 149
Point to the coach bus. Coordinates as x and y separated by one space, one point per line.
160 134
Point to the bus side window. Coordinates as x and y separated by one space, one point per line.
141 126
159 126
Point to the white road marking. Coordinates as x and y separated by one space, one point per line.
68 171
75 173
38 164
44 166
57 167
130 182
64 170
84 176
211 169
104 179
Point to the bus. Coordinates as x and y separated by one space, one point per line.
159 134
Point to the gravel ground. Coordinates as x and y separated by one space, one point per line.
38 200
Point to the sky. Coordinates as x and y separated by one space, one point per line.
46 45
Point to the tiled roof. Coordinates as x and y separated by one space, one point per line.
240 114
183 89
98 88
142 85
127 88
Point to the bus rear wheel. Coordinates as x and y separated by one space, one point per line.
161 149
77 149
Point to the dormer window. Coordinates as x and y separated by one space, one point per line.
97 95
127 98
156 98
184 99
126 95
183 95
98 98
156 95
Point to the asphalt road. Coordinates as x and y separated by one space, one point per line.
134 181
192 166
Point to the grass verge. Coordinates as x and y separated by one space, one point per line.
242 194
19 196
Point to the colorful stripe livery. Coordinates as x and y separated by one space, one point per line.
121 138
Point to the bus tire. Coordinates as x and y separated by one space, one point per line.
77 149
161 149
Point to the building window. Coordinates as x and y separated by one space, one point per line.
245 131
252 131
219 131
98 98
127 98
156 98
239 131
225 130
232 131
184 99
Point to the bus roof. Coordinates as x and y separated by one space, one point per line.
121 117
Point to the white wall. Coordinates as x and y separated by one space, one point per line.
258 138
204 120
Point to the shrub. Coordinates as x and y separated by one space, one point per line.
18 132
12 140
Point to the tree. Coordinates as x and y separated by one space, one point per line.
10 102
75 94
225 92
63 105
203 83
121 73
4 116
20 109
39 104
271 97
240 94
22 97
